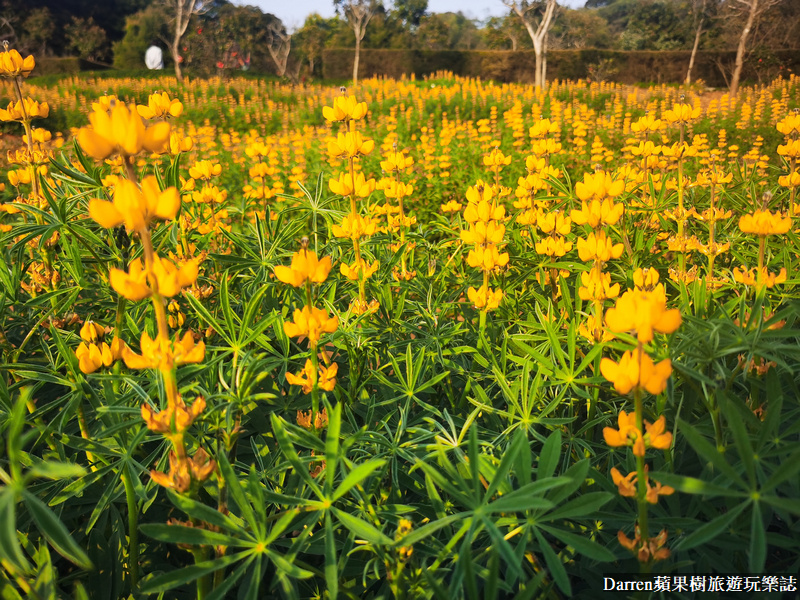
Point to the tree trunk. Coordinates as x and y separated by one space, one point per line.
737 69
544 62
174 50
697 35
355 61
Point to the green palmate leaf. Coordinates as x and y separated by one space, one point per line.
331 561
582 506
179 577
203 512
710 530
290 454
56 470
708 452
528 497
786 470
291 569
737 426
55 532
362 529
581 543
235 489
518 445
554 564
231 579
499 543
429 529
575 476
181 534
357 477
332 445
692 485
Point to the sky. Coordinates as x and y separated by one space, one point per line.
294 12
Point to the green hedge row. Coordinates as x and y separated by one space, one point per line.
518 66
65 66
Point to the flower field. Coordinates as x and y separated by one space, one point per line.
421 339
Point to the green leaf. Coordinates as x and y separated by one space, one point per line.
56 470
554 565
710 530
758 542
548 459
362 529
582 506
357 476
291 569
10 550
167 581
55 532
527 497
581 543
332 445
181 534
428 529
692 485
203 512
235 489
331 562
708 452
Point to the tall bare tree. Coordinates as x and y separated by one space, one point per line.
753 9
279 46
699 9
182 11
358 14
537 16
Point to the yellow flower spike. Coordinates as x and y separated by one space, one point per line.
496 158
789 125
344 109
134 207
121 131
305 267
599 186
174 419
13 65
487 258
790 149
596 213
350 145
90 357
178 143
764 222
173 278
320 420
597 286
543 128
485 298
398 189
636 370
555 222
205 170
480 232
17 111
483 211
133 284
326 378
750 276
598 246
354 226
626 432
480 193
160 105
345 186
643 312
91 331
553 246
310 322
655 435
791 180
450 207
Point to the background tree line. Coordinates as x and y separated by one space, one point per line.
220 36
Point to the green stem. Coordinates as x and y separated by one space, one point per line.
133 528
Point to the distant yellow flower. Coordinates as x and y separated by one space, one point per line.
305 268
344 108
205 170
311 322
326 379
12 64
750 276
135 207
160 105
643 312
122 131
496 159
450 207
636 370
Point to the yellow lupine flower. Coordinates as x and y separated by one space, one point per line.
354 226
25 109
764 222
550 246
350 145
481 232
354 271
682 112
396 161
599 186
133 284
91 331
310 322
789 125
305 268
12 64
135 207
487 258
344 108
345 186
645 279
326 378
485 298
598 246
122 131
483 211
205 170
636 370
173 419
597 286
596 213
91 357
643 312
163 354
